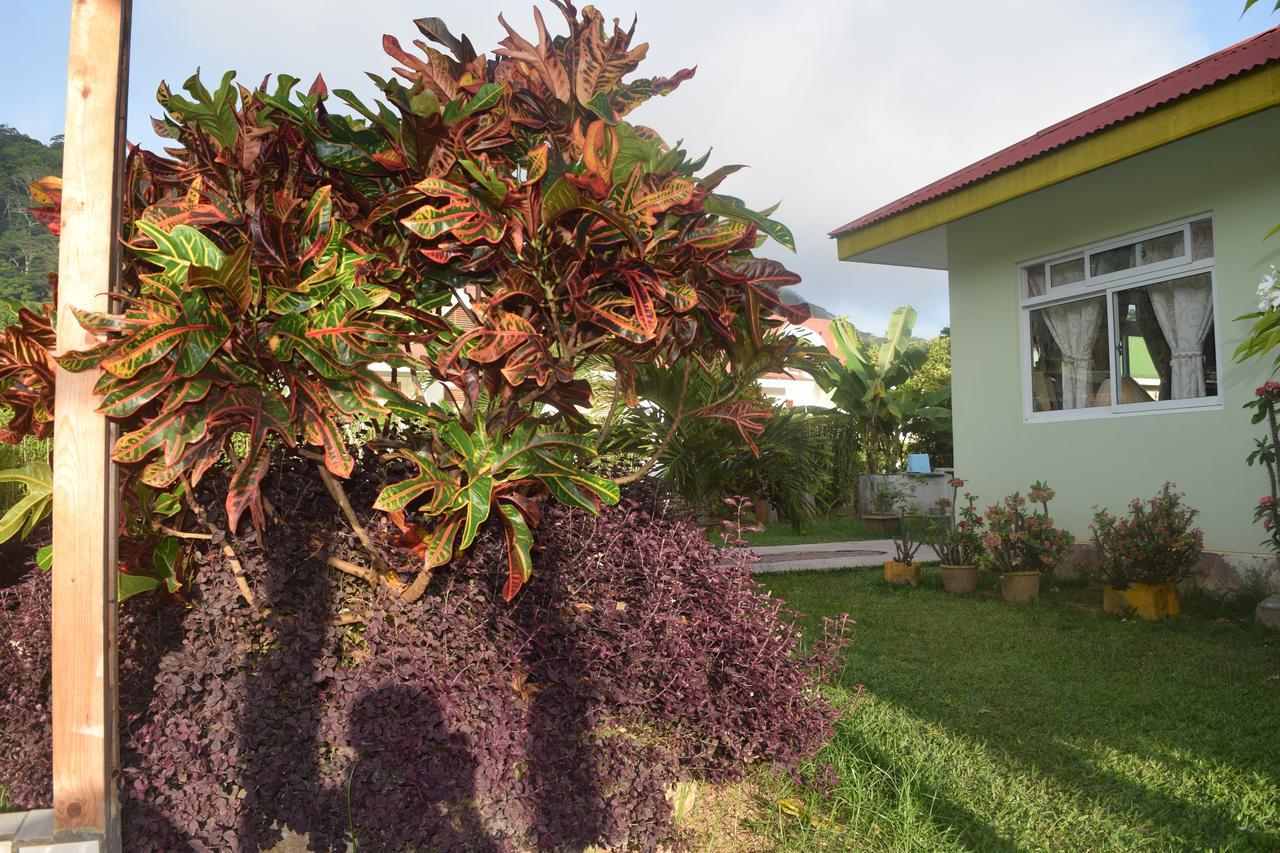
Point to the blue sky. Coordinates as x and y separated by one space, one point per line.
839 107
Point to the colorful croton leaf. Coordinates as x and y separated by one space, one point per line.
489 226
473 473
27 374
221 346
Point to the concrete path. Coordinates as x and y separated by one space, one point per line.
819 556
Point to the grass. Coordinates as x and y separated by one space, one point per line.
824 530
986 726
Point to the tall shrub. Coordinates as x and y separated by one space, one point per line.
283 249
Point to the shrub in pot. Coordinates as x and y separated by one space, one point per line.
1142 556
903 568
889 501
958 544
1021 544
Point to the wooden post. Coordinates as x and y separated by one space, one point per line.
84 506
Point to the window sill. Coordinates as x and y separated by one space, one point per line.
1213 404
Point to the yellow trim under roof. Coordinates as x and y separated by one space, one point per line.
1208 108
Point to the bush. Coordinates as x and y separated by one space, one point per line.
1020 541
25 666
458 721
1154 544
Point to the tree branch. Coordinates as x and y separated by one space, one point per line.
339 496
229 553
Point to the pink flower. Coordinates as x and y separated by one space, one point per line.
1266 500
956 483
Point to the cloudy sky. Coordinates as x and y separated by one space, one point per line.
839 106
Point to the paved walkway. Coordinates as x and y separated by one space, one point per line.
819 556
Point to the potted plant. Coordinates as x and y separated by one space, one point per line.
903 568
888 501
958 543
1142 556
1019 544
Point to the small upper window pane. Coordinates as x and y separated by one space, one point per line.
1034 280
1066 272
1202 240
1165 247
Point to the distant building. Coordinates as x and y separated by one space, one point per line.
795 387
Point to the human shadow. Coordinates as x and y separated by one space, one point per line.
570 810
279 725
409 763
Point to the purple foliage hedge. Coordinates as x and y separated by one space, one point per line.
25 600
459 722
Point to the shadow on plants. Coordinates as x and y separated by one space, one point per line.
408 761
458 721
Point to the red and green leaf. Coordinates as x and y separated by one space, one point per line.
430 480
519 549
438 547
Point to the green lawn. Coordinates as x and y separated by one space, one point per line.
986 726
825 530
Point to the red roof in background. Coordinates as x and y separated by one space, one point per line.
1249 54
822 326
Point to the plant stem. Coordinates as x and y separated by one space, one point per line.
229 553
339 496
369 576
608 418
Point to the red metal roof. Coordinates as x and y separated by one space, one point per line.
1249 54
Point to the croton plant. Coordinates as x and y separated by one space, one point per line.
290 242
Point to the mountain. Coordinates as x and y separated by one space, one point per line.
791 296
28 253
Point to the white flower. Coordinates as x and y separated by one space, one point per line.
1268 291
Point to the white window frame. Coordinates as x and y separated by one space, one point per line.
1108 285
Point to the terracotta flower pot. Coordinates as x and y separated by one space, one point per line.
1020 587
901 573
882 524
1148 600
960 580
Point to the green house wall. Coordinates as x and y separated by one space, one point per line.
1232 172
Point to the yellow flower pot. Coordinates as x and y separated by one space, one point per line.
960 580
1020 587
1148 600
901 573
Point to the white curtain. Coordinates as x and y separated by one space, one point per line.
1074 326
1184 310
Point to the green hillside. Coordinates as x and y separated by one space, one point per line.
28 253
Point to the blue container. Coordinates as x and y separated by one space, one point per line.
918 463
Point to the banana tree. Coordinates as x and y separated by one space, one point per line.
870 384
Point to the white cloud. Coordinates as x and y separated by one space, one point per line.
837 106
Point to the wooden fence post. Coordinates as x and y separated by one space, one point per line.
84 493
